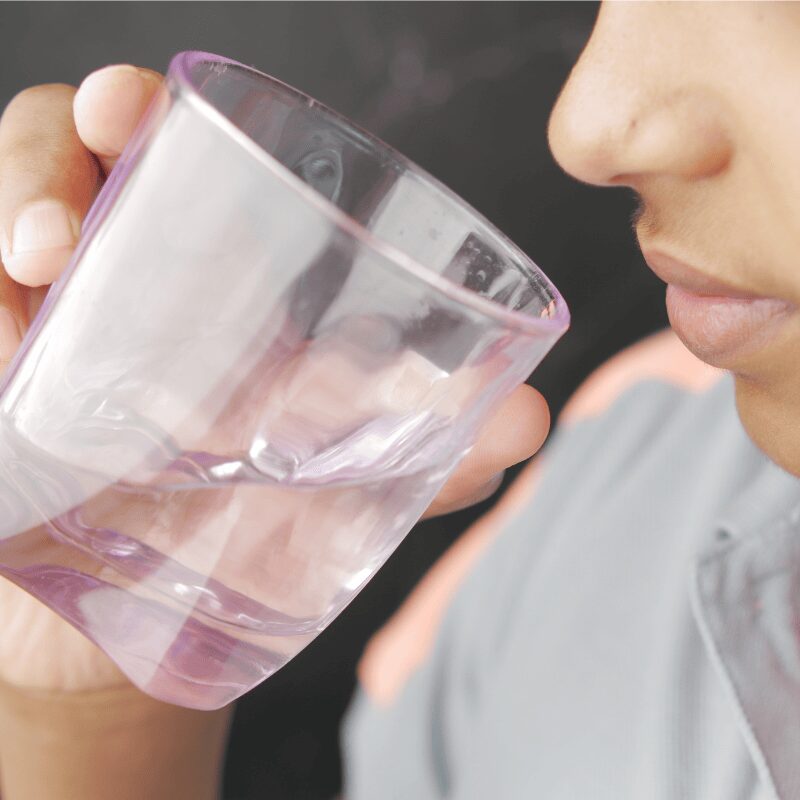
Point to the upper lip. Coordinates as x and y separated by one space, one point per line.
677 273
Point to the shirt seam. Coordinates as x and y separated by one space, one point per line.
718 662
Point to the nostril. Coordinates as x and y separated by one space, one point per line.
680 137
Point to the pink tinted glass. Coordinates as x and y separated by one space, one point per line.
275 341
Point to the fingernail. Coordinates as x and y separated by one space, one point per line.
496 479
10 334
486 490
42 240
43 225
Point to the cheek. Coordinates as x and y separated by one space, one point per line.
763 94
770 215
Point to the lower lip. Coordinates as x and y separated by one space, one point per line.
717 329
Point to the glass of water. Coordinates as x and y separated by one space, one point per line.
274 343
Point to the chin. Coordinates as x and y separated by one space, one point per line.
771 417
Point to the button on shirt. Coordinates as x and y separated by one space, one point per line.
634 634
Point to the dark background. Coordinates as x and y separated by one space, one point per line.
465 90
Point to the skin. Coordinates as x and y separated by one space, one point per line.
691 105
694 107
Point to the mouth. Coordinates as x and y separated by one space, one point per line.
719 323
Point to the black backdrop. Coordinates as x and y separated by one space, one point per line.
465 90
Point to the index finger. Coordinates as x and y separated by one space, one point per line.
47 182
514 433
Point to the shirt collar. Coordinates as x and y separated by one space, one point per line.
746 602
770 497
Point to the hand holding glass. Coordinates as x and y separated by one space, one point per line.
275 342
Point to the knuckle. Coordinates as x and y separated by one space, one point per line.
39 144
43 161
34 96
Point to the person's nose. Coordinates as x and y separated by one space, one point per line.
629 112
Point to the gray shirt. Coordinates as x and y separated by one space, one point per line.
634 634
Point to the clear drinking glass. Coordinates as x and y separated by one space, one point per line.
275 341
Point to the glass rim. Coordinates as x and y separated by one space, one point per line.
179 69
